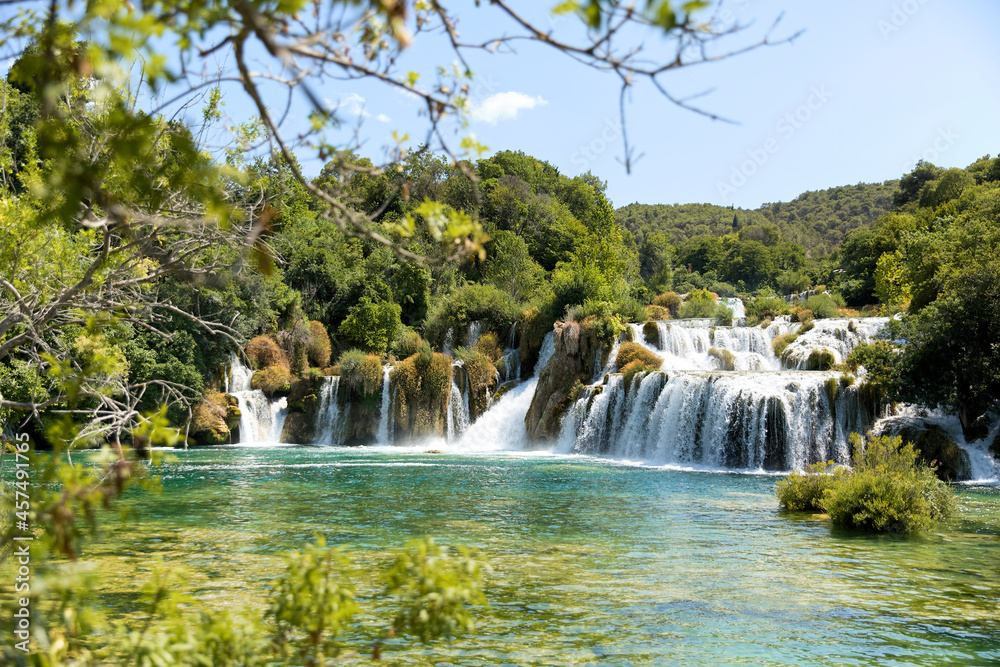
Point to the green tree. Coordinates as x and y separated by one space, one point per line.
372 325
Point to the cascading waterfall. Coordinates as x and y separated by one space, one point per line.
769 421
837 336
386 434
692 413
502 426
472 334
328 420
261 420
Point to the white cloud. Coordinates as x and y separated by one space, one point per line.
351 103
504 106
382 118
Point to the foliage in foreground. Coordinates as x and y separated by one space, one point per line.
890 489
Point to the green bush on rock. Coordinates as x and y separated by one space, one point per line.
361 372
890 490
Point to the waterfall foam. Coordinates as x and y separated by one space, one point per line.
502 426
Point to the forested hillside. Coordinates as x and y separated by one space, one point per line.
816 220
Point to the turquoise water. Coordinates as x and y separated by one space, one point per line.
594 562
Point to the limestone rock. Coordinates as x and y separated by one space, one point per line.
572 362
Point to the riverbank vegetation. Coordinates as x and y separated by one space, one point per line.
888 489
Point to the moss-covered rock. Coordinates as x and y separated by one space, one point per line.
571 363
478 376
726 359
422 384
820 360
214 420
303 409
936 447
651 332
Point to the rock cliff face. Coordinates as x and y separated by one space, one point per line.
571 363
303 405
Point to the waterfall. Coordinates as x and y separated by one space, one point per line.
736 305
836 336
328 419
386 427
752 421
502 426
261 420
756 416
458 413
472 334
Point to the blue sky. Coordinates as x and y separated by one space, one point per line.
867 89
870 87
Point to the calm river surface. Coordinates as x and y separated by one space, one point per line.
594 562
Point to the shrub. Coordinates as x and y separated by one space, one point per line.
599 318
890 491
425 376
489 346
700 303
824 306
264 351
658 313
671 301
408 343
727 360
479 367
630 370
802 315
781 343
318 345
882 362
361 372
629 352
765 307
272 380
722 289
723 316
803 491
372 325
793 282
820 360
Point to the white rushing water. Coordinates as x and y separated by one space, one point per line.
329 424
983 465
502 426
722 399
765 420
386 428
261 420
837 336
